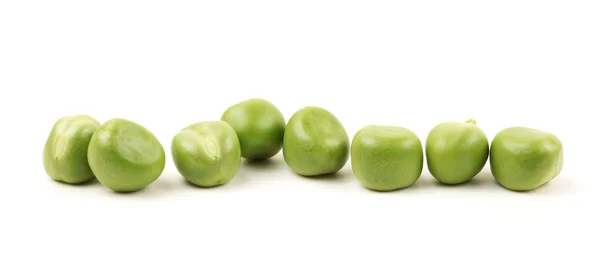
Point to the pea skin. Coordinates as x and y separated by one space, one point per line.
315 142
125 156
386 158
523 159
65 151
207 154
259 126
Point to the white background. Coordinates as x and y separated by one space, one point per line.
167 64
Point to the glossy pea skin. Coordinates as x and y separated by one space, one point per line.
65 151
523 159
315 142
386 158
125 156
456 151
207 153
259 125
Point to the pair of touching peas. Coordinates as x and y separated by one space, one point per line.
126 157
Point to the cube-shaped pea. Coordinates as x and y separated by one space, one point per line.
386 158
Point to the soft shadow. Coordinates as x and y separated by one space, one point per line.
189 184
422 183
253 172
138 192
560 185
241 178
483 180
415 185
89 183
159 187
266 164
340 176
164 185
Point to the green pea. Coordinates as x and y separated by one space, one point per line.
456 151
65 151
523 159
315 142
125 156
207 153
259 125
386 158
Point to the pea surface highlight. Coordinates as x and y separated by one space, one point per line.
207 153
259 126
386 158
65 151
125 156
523 159
315 142
456 151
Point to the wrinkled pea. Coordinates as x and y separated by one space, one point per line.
125 156
523 159
207 153
315 142
65 151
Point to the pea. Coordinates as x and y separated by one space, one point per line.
259 126
207 153
315 142
523 159
65 150
125 156
386 158
456 151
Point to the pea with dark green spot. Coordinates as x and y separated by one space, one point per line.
259 125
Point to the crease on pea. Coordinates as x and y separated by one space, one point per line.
125 156
207 153
315 142
65 150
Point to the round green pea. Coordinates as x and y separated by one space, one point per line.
523 159
315 142
125 156
456 151
65 152
259 125
386 158
207 153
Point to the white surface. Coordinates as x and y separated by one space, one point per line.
166 64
